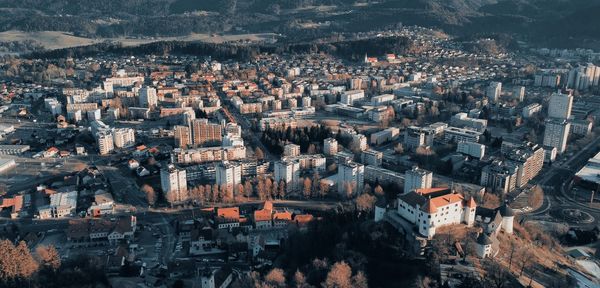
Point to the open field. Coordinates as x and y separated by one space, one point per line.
57 40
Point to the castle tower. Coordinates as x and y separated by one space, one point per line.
508 218
469 212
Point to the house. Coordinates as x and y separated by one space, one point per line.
282 219
263 217
219 278
495 220
103 204
99 230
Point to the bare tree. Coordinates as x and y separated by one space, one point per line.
276 277
150 194
48 256
307 187
248 189
365 202
299 279
259 154
340 276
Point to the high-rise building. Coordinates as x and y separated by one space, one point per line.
148 97
359 142
288 171
417 178
556 134
123 137
291 150
204 132
499 176
560 105
173 183
350 178
330 146
519 93
183 137
229 174
493 91
529 159
105 142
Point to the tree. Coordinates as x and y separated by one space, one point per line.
365 203
239 188
307 187
282 189
331 168
496 275
48 256
340 276
323 189
299 279
379 191
311 149
536 198
275 277
360 280
366 188
248 189
259 154
399 149
150 194
16 262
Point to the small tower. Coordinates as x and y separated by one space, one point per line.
380 209
508 218
207 278
484 246
366 58
469 212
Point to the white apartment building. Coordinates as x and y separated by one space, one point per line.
382 99
519 93
493 91
174 184
371 157
291 150
461 135
499 176
560 105
415 137
350 178
556 134
123 137
417 178
61 205
359 142
385 135
330 146
531 110
475 150
462 120
288 171
148 97
229 174
349 97
105 142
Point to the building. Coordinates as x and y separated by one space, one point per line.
382 99
350 178
415 137
229 174
359 142
560 105
417 178
123 137
385 135
13 149
227 218
474 150
62 204
529 159
204 133
519 93
431 208
462 120
453 134
6 165
183 136
174 184
316 162
330 146
383 176
556 134
148 97
531 109
207 154
493 91
371 157
581 127
349 97
105 142
588 174
288 171
291 150
500 176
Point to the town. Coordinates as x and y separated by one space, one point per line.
445 164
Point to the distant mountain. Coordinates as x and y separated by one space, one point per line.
546 21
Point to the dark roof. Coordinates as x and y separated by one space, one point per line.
413 199
483 239
485 212
506 211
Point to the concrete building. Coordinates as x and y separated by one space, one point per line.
519 93
374 174
499 176
415 137
349 97
7 165
123 137
229 174
350 178
148 97
174 184
371 157
474 150
205 133
291 150
461 135
382 99
417 178
183 136
462 120
62 204
330 146
556 134
13 149
288 171
359 142
531 109
105 142
560 106
384 136
529 159
493 91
